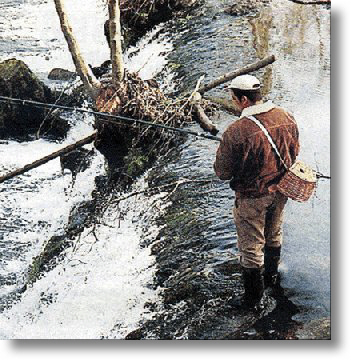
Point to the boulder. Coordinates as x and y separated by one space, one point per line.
76 161
61 74
18 81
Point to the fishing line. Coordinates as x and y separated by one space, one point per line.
38 104
32 103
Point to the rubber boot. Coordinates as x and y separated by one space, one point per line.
271 263
254 286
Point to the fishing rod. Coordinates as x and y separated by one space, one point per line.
91 137
32 103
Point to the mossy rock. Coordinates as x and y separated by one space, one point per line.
53 248
136 163
18 81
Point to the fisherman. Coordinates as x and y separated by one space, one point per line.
247 159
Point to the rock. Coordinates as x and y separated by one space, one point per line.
61 74
76 161
101 70
135 335
66 75
18 81
53 127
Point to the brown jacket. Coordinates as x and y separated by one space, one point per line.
245 156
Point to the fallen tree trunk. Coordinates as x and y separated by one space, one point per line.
233 74
49 157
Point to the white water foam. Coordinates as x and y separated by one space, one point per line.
148 57
36 205
100 288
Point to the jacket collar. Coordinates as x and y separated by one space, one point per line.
257 109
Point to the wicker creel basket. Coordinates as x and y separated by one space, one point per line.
299 182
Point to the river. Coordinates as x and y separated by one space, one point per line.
99 287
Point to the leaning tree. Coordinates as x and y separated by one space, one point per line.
91 84
143 99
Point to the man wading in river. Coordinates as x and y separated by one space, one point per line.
247 159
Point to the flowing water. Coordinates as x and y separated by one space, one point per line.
99 287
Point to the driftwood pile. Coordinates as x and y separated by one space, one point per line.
143 100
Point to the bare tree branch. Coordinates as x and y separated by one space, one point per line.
49 157
115 41
91 84
233 74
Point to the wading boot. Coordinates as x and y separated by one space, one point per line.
271 263
253 298
254 287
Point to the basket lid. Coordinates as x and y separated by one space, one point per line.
303 171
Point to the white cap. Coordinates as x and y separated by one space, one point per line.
245 82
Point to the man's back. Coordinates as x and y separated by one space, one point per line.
247 158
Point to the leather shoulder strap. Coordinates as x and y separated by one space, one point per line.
264 130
